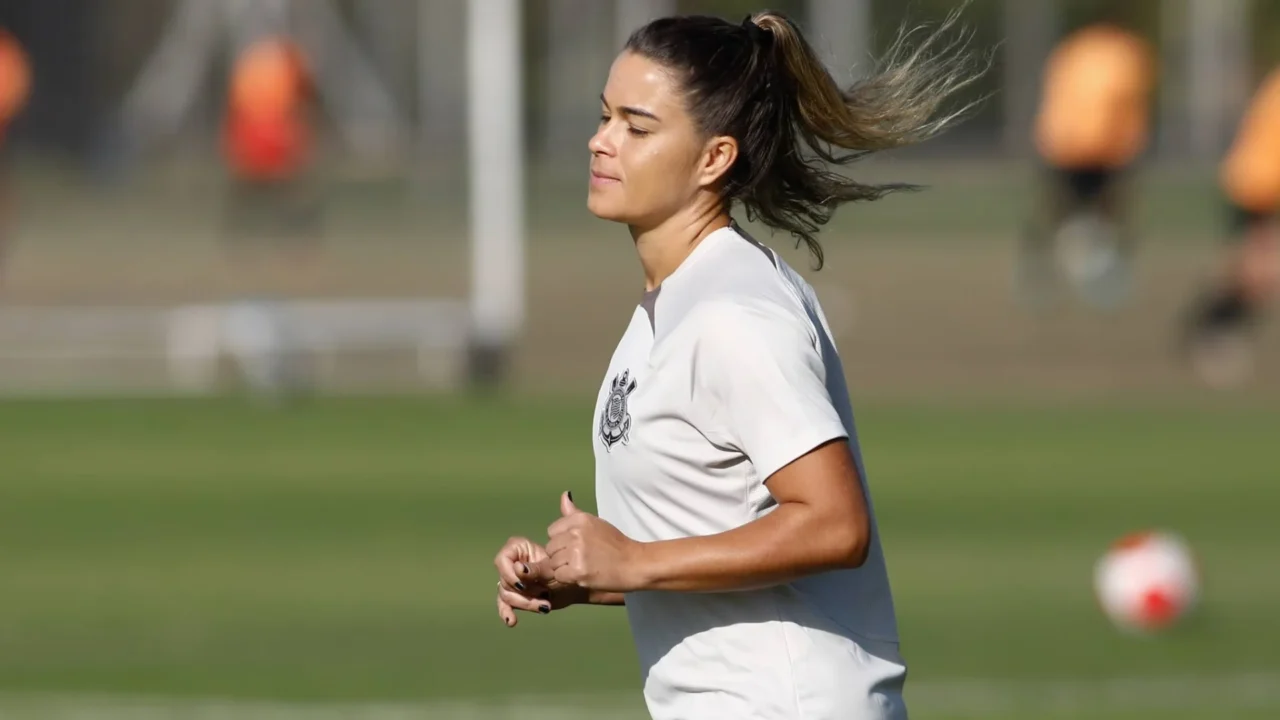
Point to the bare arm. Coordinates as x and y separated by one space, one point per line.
762 382
821 523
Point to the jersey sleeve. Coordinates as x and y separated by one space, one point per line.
763 379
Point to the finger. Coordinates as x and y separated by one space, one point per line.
506 613
559 560
517 601
517 548
533 574
543 573
513 573
567 508
558 544
556 528
514 566
533 590
565 524
566 574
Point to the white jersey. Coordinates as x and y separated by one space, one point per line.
727 373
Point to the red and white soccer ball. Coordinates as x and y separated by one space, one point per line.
1147 582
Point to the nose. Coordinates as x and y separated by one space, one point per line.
599 144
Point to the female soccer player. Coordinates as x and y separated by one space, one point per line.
1217 335
1092 125
15 90
733 522
267 145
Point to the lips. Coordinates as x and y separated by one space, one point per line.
597 176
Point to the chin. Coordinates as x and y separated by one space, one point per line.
604 209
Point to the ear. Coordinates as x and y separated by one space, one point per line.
718 156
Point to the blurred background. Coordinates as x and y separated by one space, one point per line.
302 314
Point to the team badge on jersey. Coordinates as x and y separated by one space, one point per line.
615 418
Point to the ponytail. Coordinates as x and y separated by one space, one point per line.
762 83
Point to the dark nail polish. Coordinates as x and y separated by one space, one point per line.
544 609
525 569
570 496
519 585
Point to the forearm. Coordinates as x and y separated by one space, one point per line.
789 543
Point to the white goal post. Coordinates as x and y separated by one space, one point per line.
497 184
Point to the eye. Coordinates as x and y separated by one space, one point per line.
604 118
637 131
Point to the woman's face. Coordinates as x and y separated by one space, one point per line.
648 158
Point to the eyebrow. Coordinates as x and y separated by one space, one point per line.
625 110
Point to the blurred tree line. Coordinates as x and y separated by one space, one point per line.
86 54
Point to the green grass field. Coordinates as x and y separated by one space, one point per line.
334 558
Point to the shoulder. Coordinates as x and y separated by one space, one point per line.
737 262
734 329
728 312
740 282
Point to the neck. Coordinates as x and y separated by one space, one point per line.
663 248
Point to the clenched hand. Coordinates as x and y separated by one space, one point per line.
588 552
526 583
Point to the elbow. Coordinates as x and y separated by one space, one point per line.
856 553
850 545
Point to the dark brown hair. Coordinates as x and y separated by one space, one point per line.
761 83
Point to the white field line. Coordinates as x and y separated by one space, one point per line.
971 698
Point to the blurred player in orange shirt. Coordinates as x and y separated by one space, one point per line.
267 141
1093 123
15 89
1249 176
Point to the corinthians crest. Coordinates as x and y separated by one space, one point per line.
615 419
